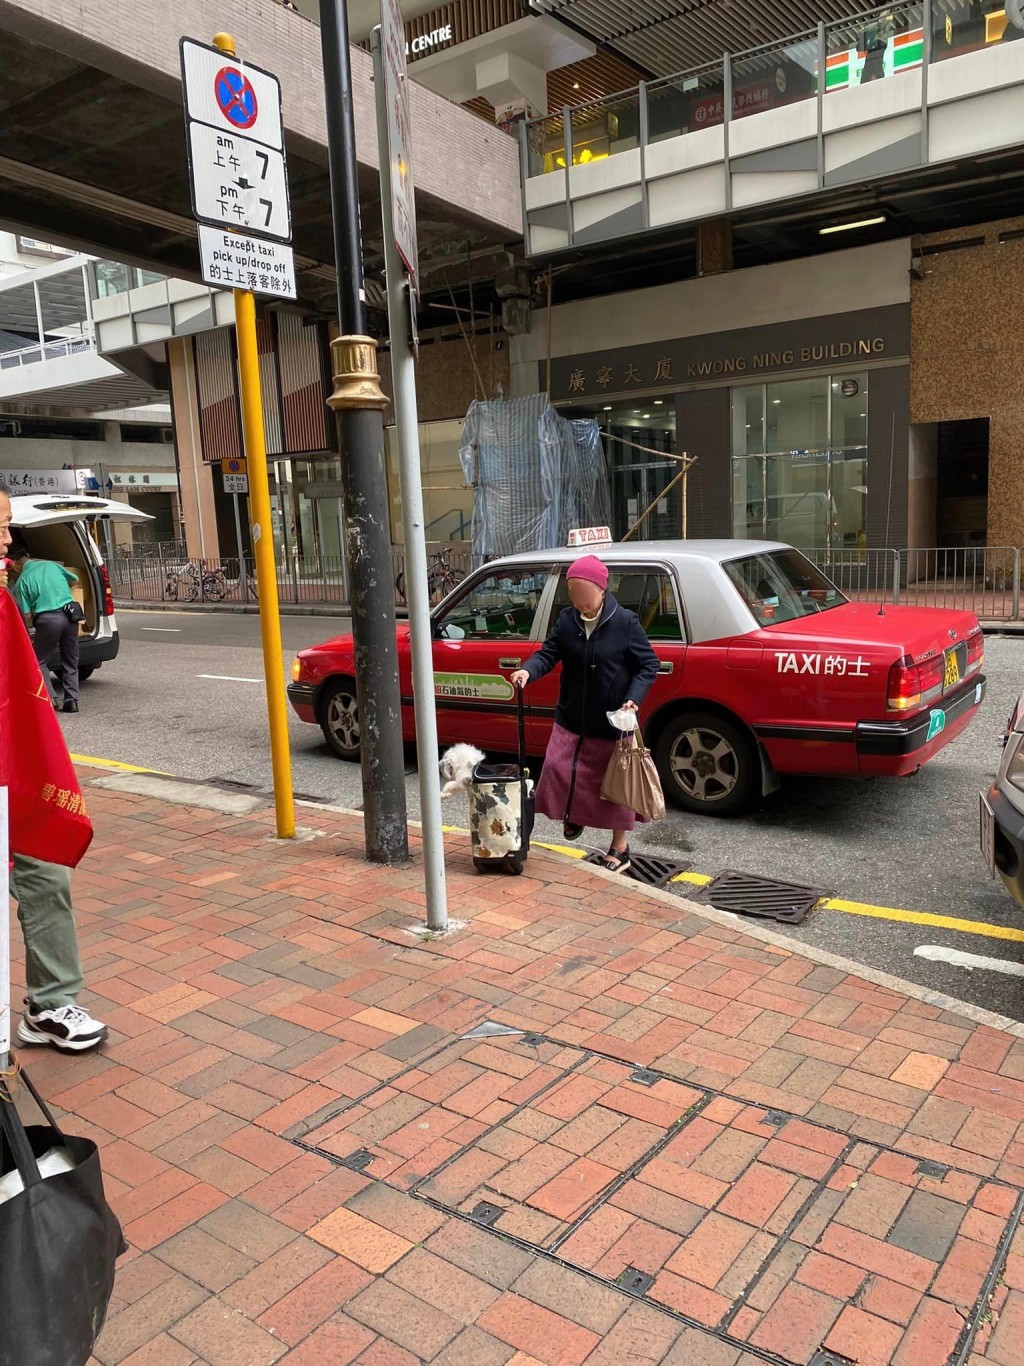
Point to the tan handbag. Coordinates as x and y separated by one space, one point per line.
631 779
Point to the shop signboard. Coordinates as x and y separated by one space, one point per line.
737 356
45 481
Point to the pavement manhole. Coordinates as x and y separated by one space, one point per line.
764 897
773 1233
646 868
758 1235
552 1158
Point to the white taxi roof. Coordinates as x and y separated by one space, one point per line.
630 551
714 609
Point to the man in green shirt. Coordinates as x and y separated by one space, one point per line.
44 595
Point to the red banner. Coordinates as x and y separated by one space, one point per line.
48 819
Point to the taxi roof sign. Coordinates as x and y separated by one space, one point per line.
590 535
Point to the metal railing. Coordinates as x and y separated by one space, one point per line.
152 575
984 580
873 45
862 575
51 350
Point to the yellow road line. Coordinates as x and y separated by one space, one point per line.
941 922
116 765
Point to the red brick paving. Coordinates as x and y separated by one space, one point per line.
266 999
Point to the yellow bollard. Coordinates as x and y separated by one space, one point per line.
263 542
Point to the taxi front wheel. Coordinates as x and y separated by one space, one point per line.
708 764
338 714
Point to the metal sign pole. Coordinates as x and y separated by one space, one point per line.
242 574
263 543
401 317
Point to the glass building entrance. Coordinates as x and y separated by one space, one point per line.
799 468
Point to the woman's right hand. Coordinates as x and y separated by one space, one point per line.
520 678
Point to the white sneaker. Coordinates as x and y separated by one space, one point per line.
69 1028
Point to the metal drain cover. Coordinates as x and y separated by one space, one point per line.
765 897
824 1358
357 1161
934 1169
645 868
636 1282
485 1213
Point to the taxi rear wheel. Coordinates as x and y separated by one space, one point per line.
708 764
338 714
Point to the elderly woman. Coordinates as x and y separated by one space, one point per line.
607 664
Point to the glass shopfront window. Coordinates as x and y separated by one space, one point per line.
800 462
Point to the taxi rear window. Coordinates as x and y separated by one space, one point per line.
781 585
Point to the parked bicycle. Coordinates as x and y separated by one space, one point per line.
442 577
189 582
217 585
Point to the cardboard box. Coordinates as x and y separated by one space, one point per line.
78 593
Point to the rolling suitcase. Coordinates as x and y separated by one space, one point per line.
501 810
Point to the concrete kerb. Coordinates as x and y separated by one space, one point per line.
207 796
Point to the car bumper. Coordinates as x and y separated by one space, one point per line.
903 746
302 697
92 652
1002 841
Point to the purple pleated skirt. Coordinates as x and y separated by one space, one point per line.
586 806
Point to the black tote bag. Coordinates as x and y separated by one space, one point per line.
59 1241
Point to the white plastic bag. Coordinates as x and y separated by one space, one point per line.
52 1163
624 719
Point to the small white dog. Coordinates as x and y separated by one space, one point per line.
456 766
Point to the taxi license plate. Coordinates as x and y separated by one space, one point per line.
955 667
987 833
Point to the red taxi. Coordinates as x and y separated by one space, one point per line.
766 668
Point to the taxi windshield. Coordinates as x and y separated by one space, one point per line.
781 585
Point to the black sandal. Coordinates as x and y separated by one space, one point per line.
616 860
572 831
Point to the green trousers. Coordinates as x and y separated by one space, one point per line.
52 965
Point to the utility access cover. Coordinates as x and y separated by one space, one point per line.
783 1239
764 897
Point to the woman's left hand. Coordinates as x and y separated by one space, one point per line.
630 706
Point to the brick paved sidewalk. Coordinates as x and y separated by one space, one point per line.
700 1148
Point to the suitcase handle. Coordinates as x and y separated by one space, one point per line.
521 718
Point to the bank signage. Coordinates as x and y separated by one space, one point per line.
736 356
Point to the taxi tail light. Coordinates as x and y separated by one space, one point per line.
108 597
904 690
912 686
975 649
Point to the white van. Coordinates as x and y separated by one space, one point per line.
56 527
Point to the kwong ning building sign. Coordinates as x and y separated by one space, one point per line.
857 338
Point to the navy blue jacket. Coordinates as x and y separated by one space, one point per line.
615 665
